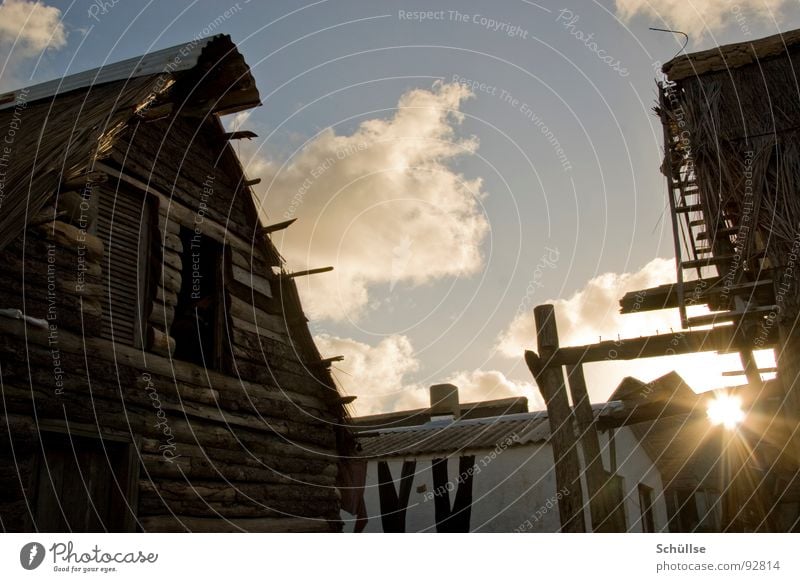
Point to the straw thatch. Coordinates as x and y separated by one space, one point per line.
742 117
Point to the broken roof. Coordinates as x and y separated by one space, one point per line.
730 56
213 55
57 130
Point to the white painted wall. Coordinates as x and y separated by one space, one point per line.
515 488
635 466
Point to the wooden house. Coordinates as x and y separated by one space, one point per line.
730 119
157 369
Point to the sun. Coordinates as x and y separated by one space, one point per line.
725 410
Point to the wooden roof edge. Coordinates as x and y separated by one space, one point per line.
171 61
730 56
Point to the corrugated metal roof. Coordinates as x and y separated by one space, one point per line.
448 436
181 57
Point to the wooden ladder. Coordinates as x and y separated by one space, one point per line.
704 234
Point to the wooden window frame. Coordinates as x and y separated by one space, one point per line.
646 509
217 359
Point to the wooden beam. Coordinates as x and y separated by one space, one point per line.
742 372
180 371
253 182
252 280
702 291
719 339
277 226
550 380
156 112
307 272
245 134
80 181
590 443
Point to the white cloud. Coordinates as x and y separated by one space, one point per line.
27 28
375 374
698 17
237 121
479 385
379 376
592 314
382 204
593 311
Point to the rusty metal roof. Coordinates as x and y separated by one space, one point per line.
450 436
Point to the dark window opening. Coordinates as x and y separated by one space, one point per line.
614 491
646 508
688 516
199 314
85 484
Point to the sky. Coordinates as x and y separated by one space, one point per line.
457 162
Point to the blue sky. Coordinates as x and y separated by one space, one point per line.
542 185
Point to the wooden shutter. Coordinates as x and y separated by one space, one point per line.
123 224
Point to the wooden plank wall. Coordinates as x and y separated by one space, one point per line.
253 449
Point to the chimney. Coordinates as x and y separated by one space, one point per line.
444 402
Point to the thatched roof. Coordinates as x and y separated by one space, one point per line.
733 115
56 131
730 56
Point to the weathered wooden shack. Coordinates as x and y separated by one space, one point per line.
157 369
731 118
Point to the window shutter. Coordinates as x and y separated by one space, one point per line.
123 224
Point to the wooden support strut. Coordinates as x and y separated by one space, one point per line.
590 443
307 272
245 134
550 379
719 339
277 226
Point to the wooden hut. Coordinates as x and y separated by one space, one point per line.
731 118
157 370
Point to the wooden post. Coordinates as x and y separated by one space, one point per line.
550 380
590 443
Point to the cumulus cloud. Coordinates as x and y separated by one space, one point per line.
27 28
593 311
592 314
379 376
383 204
698 17
479 385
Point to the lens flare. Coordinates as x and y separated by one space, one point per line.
725 410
